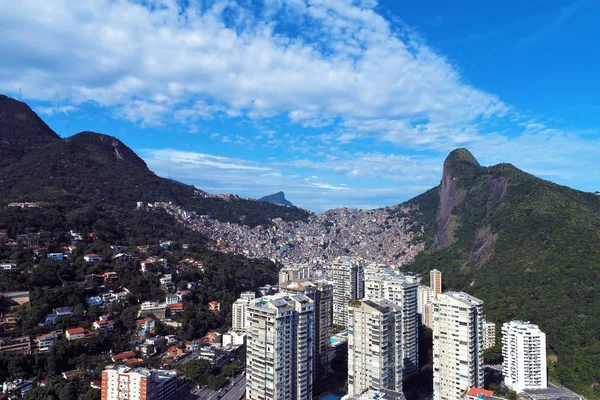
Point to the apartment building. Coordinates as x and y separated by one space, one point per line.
489 334
402 290
294 272
375 359
121 382
524 353
321 293
348 284
239 311
457 345
279 354
435 282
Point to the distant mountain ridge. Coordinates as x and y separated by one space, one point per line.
529 248
38 165
277 198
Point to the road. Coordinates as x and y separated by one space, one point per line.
232 391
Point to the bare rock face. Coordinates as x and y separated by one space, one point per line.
497 186
451 194
483 246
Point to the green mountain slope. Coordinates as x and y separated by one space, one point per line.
38 165
529 248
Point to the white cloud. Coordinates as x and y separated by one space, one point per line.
186 157
56 110
150 63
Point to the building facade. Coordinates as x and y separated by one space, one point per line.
321 293
121 382
294 272
403 291
279 353
489 334
457 345
435 282
348 284
375 359
524 353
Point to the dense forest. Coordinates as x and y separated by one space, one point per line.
527 247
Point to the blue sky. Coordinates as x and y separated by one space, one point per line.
335 102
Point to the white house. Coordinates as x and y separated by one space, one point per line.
56 256
91 258
8 266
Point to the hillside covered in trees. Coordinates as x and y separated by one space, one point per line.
529 248
37 165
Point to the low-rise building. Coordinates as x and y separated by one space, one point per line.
145 327
214 306
74 334
126 355
56 256
92 258
8 266
19 345
94 301
44 342
155 309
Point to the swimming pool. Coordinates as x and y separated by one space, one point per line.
334 341
331 397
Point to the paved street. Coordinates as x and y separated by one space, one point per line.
228 392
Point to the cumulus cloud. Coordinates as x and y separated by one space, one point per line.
343 75
150 61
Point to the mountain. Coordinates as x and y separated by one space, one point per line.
37 165
277 198
529 248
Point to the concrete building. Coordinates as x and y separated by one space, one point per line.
348 284
425 296
457 345
121 382
375 359
524 353
489 334
239 315
279 353
294 272
428 316
403 291
155 309
248 295
435 282
19 345
321 293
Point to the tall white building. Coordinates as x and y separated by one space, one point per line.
489 334
402 291
239 314
279 354
321 293
375 359
121 382
524 353
457 345
348 284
